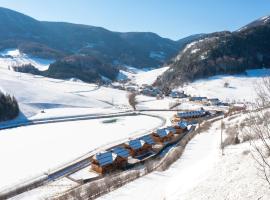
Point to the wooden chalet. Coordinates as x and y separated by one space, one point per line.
189 115
103 162
162 136
122 157
138 147
148 139
180 127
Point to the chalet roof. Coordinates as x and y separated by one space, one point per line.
105 158
136 144
121 151
171 129
213 99
198 98
162 132
182 124
191 114
148 139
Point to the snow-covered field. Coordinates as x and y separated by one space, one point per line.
13 57
36 93
33 150
241 87
141 77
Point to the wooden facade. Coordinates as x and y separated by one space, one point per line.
107 162
138 147
162 136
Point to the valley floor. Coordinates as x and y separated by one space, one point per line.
201 173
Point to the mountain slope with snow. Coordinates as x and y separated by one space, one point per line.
221 53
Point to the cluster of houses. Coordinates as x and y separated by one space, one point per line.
139 149
119 157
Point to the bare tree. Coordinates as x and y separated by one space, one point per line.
258 129
132 100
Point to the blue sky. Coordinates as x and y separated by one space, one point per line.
169 18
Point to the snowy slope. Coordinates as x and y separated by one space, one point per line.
13 57
36 93
202 173
141 77
197 160
241 87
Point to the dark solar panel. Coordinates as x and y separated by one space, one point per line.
191 114
148 139
135 144
105 158
171 129
182 124
121 151
162 133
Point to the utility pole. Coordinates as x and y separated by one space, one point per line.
221 134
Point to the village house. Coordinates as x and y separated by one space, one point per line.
148 139
177 94
103 162
200 100
122 156
162 136
189 115
138 147
214 102
181 127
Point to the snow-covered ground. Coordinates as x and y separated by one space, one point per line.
192 168
33 150
48 190
13 57
140 77
241 87
202 173
36 93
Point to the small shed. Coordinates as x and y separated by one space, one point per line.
138 147
162 135
103 162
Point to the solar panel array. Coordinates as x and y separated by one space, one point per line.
135 144
171 129
105 158
182 124
162 132
191 114
148 139
121 151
